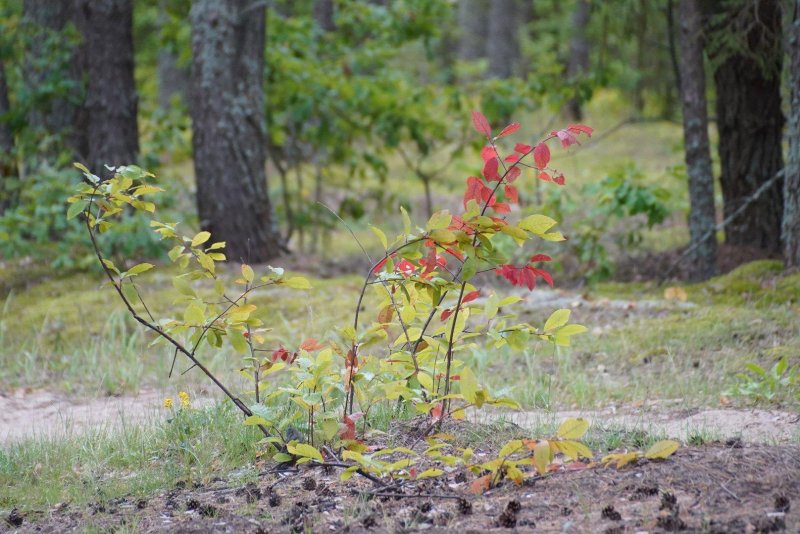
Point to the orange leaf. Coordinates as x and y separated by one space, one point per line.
479 485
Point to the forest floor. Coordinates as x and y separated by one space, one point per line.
658 363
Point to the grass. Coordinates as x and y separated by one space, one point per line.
133 461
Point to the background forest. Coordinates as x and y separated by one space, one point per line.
293 131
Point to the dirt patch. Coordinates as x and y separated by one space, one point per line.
40 413
711 489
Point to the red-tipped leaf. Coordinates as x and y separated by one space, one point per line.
510 129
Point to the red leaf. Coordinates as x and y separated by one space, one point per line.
540 257
490 170
541 155
545 177
501 207
446 314
511 158
310 345
522 148
512 174
406 267
474 190
412 473
347 429
580 128
510 129
379 265
281 353
436 412
472 295
559 179
566 137
543 274
481 124
511 194
488 152
479 485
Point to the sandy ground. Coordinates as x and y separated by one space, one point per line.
47 414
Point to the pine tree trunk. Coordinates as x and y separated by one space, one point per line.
750 122
228 127
502 44
695 137
791 210
471 20
323 15
111 99
8 161
641 57
578 54
57 114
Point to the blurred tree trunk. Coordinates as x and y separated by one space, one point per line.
791 211
111 99
172 79
502 45
702 217
749 117
8 158
641 56
578 55
472 29
228 38
323 14
59 113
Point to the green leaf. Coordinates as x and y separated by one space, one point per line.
557 318
238 341
406 221
469 385
193 315
443 236
573 428
469 269
282 457
510 448
439 220
183 287
541 456
297 282
307 451
662 449
429 473
537 224
564 334
139 269
255 420
200 238
110 265
381 236
75 208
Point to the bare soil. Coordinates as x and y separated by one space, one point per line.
716 489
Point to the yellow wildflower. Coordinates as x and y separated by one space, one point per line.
184 399
168 402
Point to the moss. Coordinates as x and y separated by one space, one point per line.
760 283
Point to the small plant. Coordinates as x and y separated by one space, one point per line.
406 352
768 384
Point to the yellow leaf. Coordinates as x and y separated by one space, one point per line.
510 448
537 224
675 293
200 238
557 319
469 385
306 450
247 273
662 449
381 236
541 456
573 428
439 220
297 282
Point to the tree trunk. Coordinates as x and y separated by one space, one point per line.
323 15
750 121
46 65
172 79
502 44
578 55
641 57
228 39
111 100
702 217
791 190
471 21
8 157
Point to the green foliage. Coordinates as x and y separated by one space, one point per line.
621 206
779 382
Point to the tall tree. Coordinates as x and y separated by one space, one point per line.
471 24
502 46
8 162
578 63
228 127
323 14
53 69
111 99
791 189
703 240
173 78
745 44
